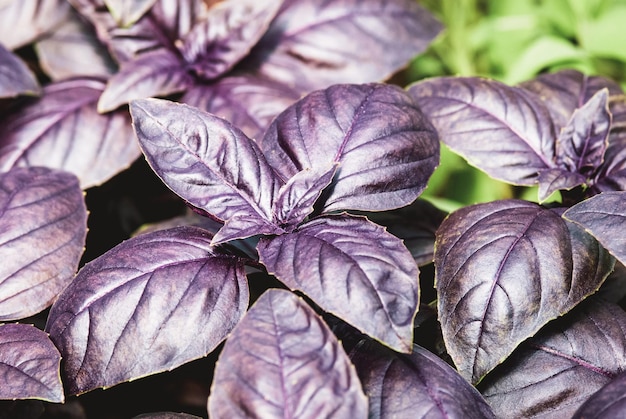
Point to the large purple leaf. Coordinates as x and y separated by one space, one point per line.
419 385
555 372
209 163
43 226
72 50
127 12
62 129
503 130
249 102
604 217
503 270
608 402
611 176
22 22
29 364
313 44
15 76
230 30
154 73
282 361
150 304
386 148
352 268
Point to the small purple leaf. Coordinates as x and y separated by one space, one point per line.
150 304
73 50
282 361
209 163
313 44
249 102
352 268
582 142
554 373
62 129
154 73
604 217
418 385
29 364
608 402
295 199
552 180
127 12
386 148
503 130
230 30
43 226
22 22
15 76
503 270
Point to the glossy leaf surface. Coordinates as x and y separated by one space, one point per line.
148 305
504 269
63 130
386 148
43 226
352 268
604 217
154 73
282 361
209 163
418 385
230 30
313 44
553 374
22 22
249 102
505 131
15 76
29 364
608 402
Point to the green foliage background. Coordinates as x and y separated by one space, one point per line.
512 41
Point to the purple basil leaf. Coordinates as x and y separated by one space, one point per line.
62 129
418 385
165 23
608 402
209 163
565 91
352 268
15 76
493 262
29 364
611 175
127 12
295 199
282 361
150 304
154 73
582 142
43 226
22 22
313 44
386 148
552 180
72 49
230 30
604 217
551 375
416 224
503 130
249 102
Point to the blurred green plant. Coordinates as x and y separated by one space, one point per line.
513 41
